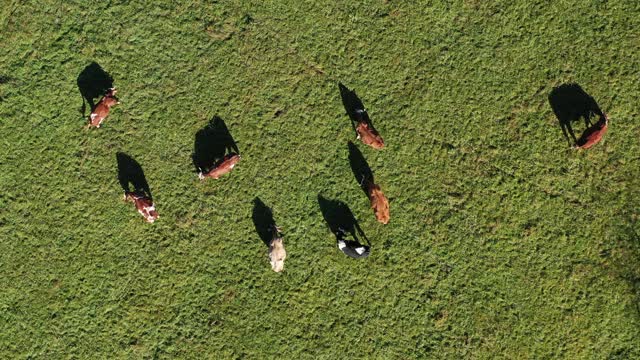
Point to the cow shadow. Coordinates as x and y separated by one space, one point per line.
263 220
338 216
131 176
354 107
93 82
570 103
4 80
212 143
359 167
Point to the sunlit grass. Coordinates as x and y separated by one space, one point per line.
503 241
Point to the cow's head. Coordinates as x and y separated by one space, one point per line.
128 196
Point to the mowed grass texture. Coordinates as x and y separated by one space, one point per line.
503 242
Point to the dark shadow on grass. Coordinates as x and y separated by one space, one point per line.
93 82
338 216
4 80
354 107
359 167
570 103
263 220
131 176
212 143
351 101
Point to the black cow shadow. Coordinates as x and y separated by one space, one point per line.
359 167
263 220
354 107
131 176
93 82
212 143
4 80
570 103
338 216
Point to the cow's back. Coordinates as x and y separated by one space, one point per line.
369 136
98 114
592 136
224 166
145 207
277 254
379 204
354 249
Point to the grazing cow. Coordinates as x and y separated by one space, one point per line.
143 204
277 253
366 132
594 134
351 248
379 202
221 167
101 110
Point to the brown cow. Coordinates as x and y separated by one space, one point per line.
143 204
366 132
379 202
594 134
101 110
222 167
277 253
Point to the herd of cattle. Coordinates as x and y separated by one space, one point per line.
365 132
277 253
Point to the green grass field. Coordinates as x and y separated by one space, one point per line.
503 241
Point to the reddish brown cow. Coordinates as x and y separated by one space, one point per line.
101 110
366 132
379 202
222 167
144 205
594 134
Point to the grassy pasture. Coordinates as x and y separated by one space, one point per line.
503 241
